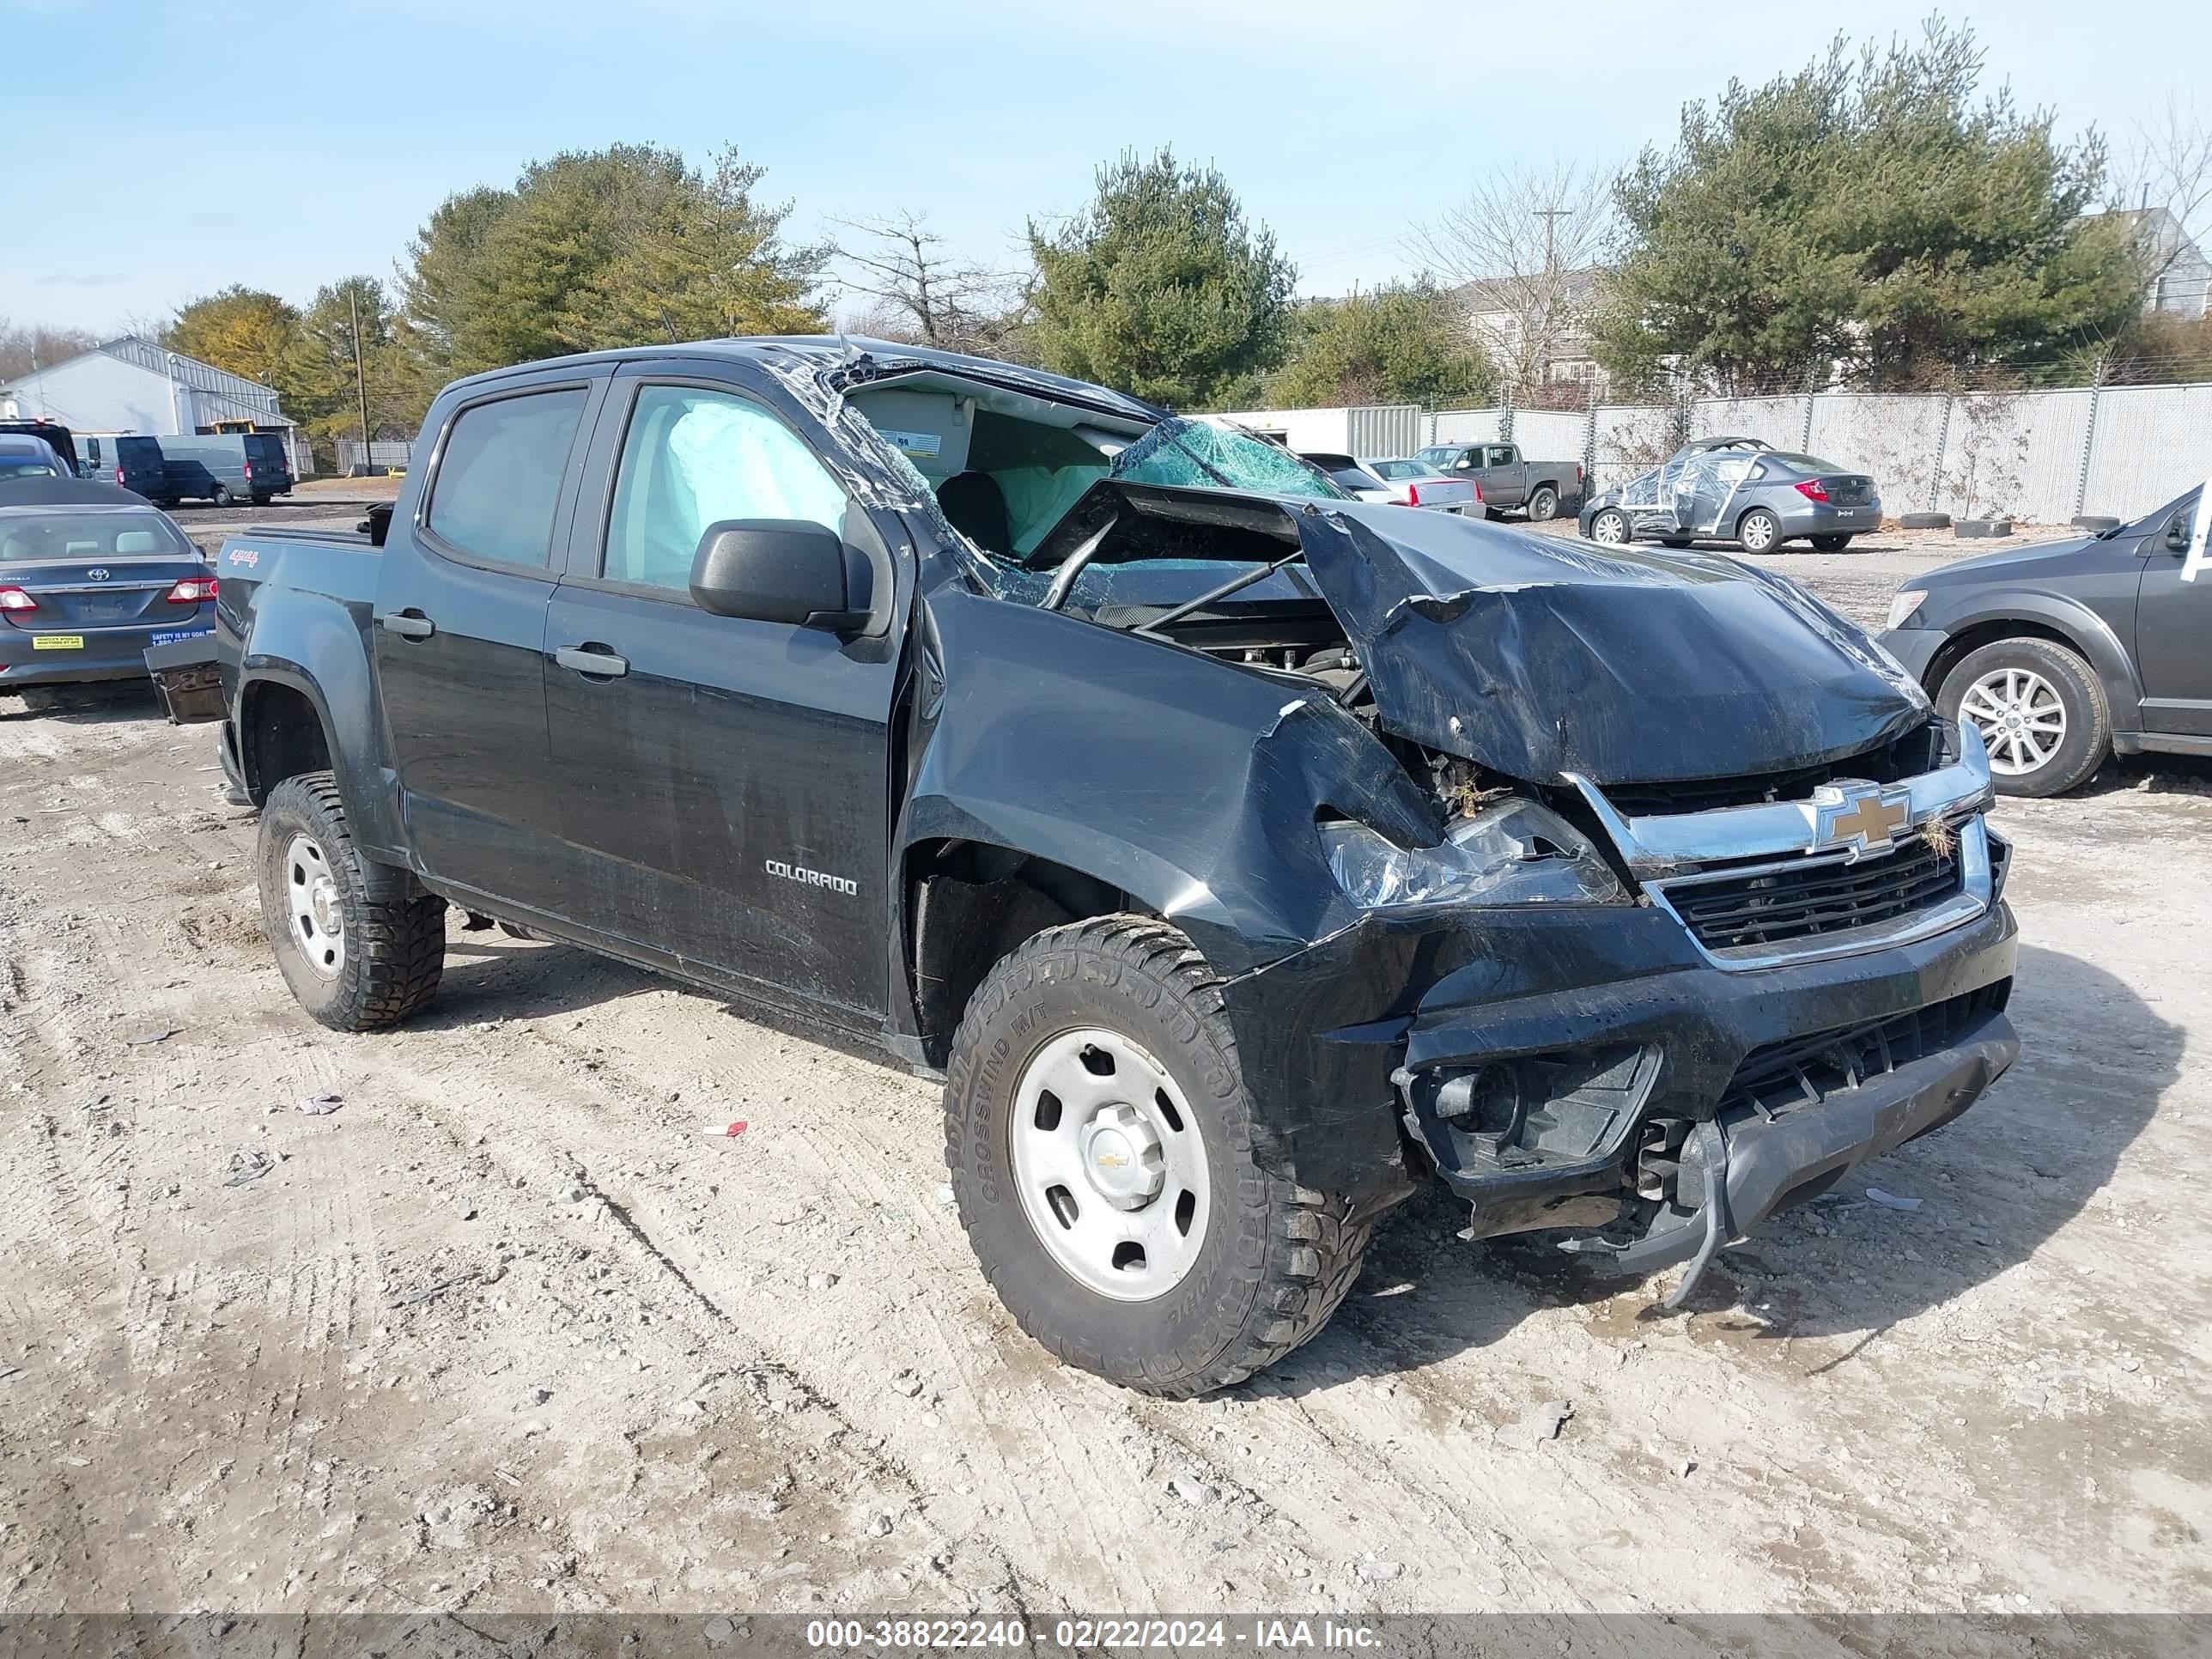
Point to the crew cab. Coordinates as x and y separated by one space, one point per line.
1507 481
1241 855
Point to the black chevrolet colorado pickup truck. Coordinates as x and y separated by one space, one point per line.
1240 855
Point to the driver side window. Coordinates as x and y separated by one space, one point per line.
693 456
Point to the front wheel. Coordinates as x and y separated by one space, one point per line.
1759 530
1830 544
1611 526
1543 504
1099 1136
2039 709
361 946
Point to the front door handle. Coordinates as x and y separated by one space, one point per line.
593 659
410 624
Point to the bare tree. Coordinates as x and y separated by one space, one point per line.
2171 168
922 291
26 348
1521 250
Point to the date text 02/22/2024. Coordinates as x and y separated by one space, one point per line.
1087 1634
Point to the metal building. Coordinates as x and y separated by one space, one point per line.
133 385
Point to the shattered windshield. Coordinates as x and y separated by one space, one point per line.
1197 454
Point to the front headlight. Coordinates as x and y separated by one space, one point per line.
1903 606
1517 852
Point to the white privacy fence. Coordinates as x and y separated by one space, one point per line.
2048 456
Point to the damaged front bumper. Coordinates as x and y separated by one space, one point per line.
1591 1069
1641 1069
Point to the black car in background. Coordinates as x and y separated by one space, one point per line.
2067 651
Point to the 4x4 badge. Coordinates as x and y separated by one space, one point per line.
1859 816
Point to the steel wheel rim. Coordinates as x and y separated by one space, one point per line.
1757 534
1110 1165
2021 718
314 906
1610 528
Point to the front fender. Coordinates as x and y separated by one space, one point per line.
2113 662
1191 784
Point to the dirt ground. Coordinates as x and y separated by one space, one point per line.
505 1329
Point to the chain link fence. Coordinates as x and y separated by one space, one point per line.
384 455
2046 456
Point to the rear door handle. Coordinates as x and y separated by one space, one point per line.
410 624
593 659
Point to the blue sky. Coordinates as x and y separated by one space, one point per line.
182 146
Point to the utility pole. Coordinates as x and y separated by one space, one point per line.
360 375
1550 216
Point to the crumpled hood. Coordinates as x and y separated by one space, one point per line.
1535 655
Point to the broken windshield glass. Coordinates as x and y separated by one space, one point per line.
1198 454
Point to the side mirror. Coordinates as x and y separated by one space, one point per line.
776 570
2176 535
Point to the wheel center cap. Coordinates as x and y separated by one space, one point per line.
323 904
1121 1157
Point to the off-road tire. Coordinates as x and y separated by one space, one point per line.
395 933
1772 543
1627 530
2088 736
1829 543
1278 1258
1543 504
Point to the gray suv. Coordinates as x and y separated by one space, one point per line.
1740 490
2068 651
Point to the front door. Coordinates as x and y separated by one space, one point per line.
459 633
2173 632
726 789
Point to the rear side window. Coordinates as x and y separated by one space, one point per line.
500 477
695 456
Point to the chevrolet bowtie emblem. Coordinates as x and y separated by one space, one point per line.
1859 816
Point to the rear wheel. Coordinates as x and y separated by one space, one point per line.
1759 530
261 497
1611 526
1543 504
359 945
221 495
2039 709
1099 1136
1830 544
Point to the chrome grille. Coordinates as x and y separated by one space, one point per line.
1815 896
1765 884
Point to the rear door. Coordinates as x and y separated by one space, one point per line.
724 782
460 636
268 469
139 467
2173 631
